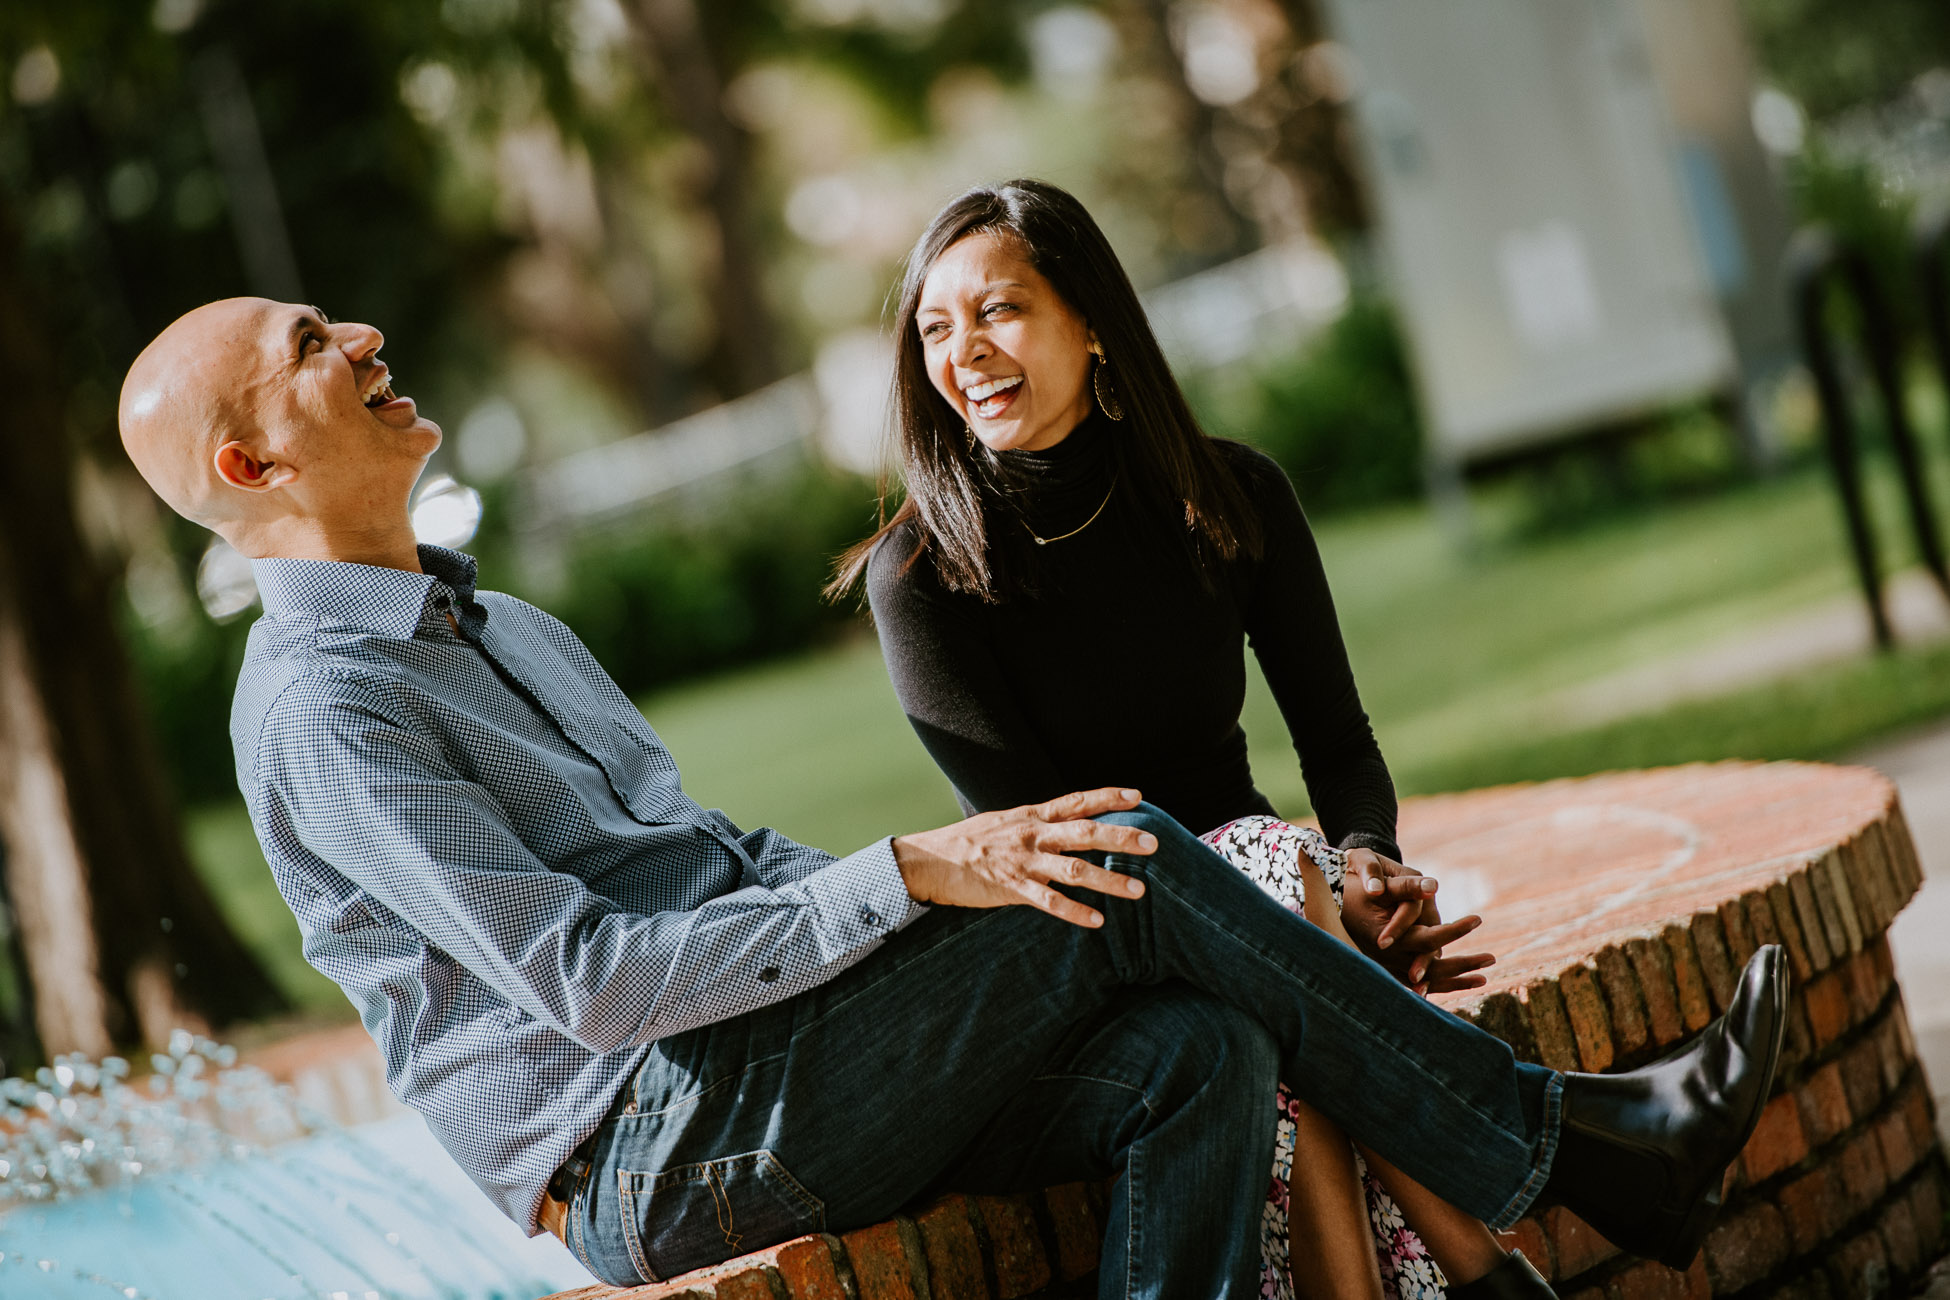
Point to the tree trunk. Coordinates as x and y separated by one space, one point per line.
1315 142
121 939
743 355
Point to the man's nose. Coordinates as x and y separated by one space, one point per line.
358 341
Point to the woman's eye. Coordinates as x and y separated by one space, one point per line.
998 308
933 331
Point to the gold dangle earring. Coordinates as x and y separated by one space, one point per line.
1106 392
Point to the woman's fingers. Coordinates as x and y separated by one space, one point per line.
1432 938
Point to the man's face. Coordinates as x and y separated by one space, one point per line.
328 415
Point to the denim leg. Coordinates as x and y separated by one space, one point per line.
840 1106
1443 1100
1168 1090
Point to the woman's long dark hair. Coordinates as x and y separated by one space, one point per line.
1160 449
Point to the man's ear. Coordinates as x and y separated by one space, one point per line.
238 465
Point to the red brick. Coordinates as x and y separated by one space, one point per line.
1809 1286
1824 1104
1745 1247
1078 1237
1860 1269
953 1252
1739 938
1925 1197
806 1266
1837 908
1590 1024
1015 1248
1778 1142
1760 918
1781 904
1688 980
1899 1238
1866 987
1860 1167
1714 962
1501 1014
1862 1078
1827 1004
1575 1244
1630 1034
1646 1280
1653 966
1813 932
881 1266
1921 1113
1543 1006
745 1284
1899 1154
1529 1237
1813 1207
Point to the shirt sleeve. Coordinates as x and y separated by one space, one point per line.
378 799
1289 617
951 687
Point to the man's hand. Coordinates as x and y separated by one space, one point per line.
1391 914
1002 858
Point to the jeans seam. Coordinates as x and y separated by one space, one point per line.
632 1240
1546 1156
1142 1095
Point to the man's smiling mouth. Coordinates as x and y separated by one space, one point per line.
379 391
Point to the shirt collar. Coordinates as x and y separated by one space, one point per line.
386 601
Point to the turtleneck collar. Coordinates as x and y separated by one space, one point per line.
1081 459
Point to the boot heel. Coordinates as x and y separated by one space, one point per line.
1690 1233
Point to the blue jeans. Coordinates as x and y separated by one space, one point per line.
1003 1050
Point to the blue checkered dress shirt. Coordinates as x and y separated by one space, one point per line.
489 850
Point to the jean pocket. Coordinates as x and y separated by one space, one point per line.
693 1215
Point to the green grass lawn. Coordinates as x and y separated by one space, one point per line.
1455 649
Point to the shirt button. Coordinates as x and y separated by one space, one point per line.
769 974
870 916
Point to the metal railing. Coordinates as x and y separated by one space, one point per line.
1819 266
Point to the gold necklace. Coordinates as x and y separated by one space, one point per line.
1045 541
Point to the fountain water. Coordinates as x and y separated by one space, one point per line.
208 1180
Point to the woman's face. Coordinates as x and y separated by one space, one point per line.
1002 346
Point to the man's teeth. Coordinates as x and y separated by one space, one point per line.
382 394
982 392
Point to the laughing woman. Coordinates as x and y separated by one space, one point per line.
1064 599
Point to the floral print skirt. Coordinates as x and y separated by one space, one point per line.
1267 850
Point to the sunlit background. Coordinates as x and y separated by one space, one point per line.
1509 287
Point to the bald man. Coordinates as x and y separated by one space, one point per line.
670 1040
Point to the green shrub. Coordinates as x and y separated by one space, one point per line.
685 594
1339 416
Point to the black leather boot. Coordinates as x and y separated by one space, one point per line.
1641 1156
1513 1279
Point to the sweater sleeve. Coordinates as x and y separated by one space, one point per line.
1289 618
951 687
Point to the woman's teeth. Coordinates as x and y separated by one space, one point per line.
980 395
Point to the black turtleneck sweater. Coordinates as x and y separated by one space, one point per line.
1123 668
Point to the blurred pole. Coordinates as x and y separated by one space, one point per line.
256 216
685 69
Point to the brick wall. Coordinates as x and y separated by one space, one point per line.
1621 908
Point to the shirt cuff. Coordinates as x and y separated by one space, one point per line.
866 888
1387 848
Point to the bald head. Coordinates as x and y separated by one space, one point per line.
279 429
184 397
